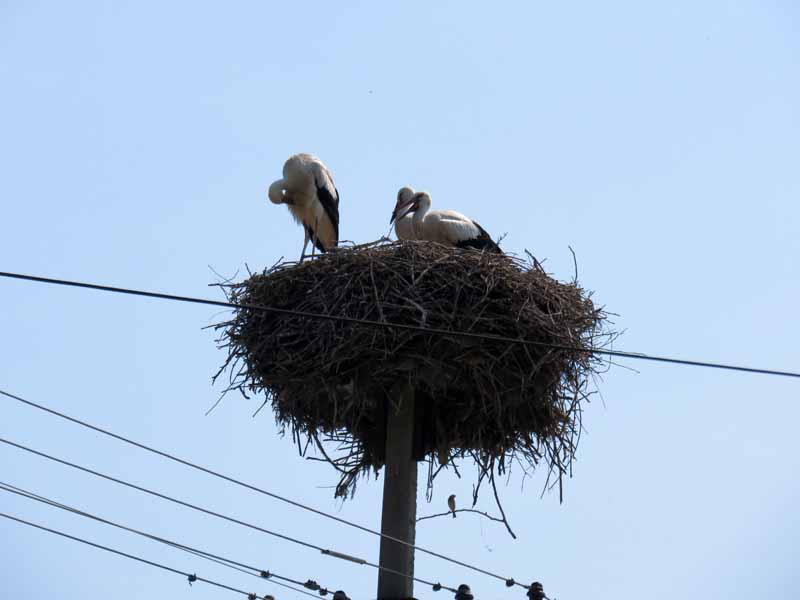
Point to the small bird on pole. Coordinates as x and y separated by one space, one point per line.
308 190
451 504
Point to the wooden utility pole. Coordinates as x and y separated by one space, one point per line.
399 517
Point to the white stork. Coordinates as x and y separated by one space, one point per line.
404 228
443 226
308 190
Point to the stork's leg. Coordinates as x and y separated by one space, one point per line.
314 241
305 245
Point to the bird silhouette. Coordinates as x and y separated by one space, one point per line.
451 504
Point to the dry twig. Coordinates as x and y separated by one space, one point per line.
469 510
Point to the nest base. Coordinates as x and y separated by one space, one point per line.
489 400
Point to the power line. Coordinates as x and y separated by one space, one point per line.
252 487
192 577
248 569
227 562
159 495
325 551
400 326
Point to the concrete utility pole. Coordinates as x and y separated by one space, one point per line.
399 517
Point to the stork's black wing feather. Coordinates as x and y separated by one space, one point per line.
330 202
328 196
483 242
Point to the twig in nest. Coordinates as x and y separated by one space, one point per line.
574 264
500 506
213 406
534 261
258 410
222 280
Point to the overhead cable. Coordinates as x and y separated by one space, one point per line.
401 326
251 487
321 549
191 577
227 562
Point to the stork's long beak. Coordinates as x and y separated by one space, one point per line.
405 208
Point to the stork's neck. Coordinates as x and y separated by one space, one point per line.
423 206
275 192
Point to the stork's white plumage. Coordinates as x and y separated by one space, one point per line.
443 226
404 228
308 190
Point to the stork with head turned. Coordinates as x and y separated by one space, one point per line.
404 228
443 226
308 190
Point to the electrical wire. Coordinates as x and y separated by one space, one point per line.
227 562
400 326
252 487
139 488
192 577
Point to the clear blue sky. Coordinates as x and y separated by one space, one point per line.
661 143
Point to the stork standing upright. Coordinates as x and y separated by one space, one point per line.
443 226
404 228
308 190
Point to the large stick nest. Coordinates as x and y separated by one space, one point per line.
494 401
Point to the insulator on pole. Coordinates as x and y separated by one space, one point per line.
536 591
464 593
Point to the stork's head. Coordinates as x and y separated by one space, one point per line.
421 200
404 198
414 203
275 192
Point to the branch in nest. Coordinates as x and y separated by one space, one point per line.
575 265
